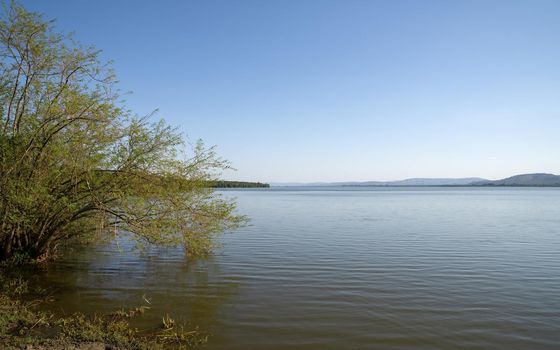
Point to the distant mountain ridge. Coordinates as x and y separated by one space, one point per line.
537 179
416 182
406 182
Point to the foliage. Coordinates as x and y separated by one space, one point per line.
75 165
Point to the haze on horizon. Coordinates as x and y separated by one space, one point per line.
311 91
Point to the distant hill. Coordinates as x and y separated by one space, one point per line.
415 182
523 180
407 182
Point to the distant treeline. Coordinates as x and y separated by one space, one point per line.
238 184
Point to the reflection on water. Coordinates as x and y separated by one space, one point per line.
118 275
350 269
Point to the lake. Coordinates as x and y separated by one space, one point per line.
349 268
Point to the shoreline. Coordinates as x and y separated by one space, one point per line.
24 326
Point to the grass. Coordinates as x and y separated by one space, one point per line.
23 326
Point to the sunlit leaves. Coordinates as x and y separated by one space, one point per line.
75 165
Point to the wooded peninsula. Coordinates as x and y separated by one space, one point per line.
238 184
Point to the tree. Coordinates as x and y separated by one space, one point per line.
76 166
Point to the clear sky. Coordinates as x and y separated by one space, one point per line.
341 90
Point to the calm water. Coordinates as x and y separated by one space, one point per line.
400 268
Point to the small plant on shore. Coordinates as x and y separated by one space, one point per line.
176 338
140 310
167 322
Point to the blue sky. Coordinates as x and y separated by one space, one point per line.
341 90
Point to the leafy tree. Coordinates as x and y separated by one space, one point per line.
76 166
